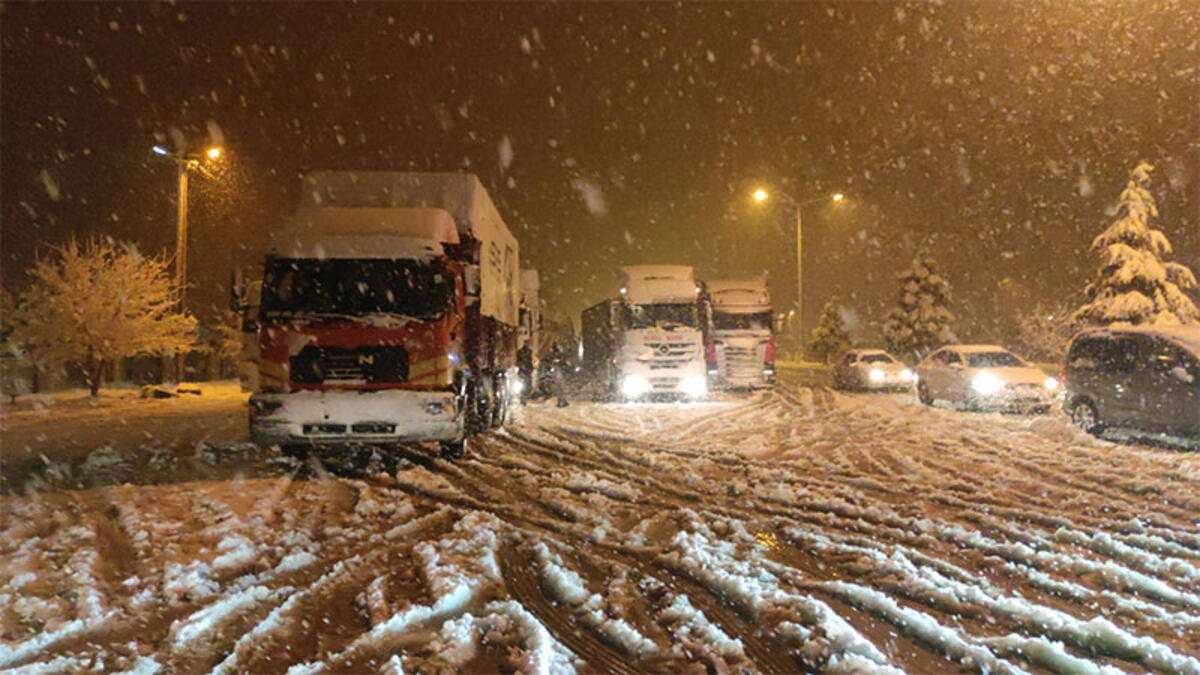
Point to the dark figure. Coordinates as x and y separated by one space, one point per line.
558 362
525 372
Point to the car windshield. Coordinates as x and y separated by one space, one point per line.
665 314
736 321
876 358
993 360
354 288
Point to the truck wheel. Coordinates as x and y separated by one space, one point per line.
453 449
480 404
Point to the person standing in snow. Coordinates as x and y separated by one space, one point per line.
525 371
558 363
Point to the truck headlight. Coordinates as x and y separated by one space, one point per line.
876 375
634 386
260 406
906 375
1050 384
694 386
518 386
986 384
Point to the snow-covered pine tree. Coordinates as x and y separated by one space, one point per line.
1135 284
829 338
921 320
100 302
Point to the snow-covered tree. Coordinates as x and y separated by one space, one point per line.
921 320
829 338
1045 332
95 303
1135 284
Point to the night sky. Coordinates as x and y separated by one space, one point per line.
998 134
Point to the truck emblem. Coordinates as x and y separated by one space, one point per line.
664 349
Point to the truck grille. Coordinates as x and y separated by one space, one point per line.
314 365
741 363
670 354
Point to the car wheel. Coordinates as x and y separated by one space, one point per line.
453 449
923 394
1084 415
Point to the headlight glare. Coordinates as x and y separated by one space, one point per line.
986 384
694 386
1050 383
906 374
876 375
634 386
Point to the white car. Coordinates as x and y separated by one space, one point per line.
984 376
870 369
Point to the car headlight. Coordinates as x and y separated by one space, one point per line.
1050 383
986 384
694 386
518 386
876 375
634 386
906 374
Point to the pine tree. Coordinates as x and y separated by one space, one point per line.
100 302
921 320
829 338
1135 284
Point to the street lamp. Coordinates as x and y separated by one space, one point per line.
760 195
185 164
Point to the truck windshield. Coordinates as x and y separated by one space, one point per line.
645 316
730 321
354 287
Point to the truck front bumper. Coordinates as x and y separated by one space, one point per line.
339 417
639 380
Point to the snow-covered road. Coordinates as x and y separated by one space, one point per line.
796 530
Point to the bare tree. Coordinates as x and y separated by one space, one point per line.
102 301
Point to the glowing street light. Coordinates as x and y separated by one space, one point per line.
185 163
760 195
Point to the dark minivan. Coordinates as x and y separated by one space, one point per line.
1139 378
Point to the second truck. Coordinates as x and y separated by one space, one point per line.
741 344
647 340
389 312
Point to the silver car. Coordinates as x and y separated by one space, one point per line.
871 369
984 377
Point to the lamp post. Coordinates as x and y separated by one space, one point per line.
185 164
760 196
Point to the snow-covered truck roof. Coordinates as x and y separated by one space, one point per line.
337 232
739 295
652 284
460 194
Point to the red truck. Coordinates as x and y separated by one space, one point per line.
388 313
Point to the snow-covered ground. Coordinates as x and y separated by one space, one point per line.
795 530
